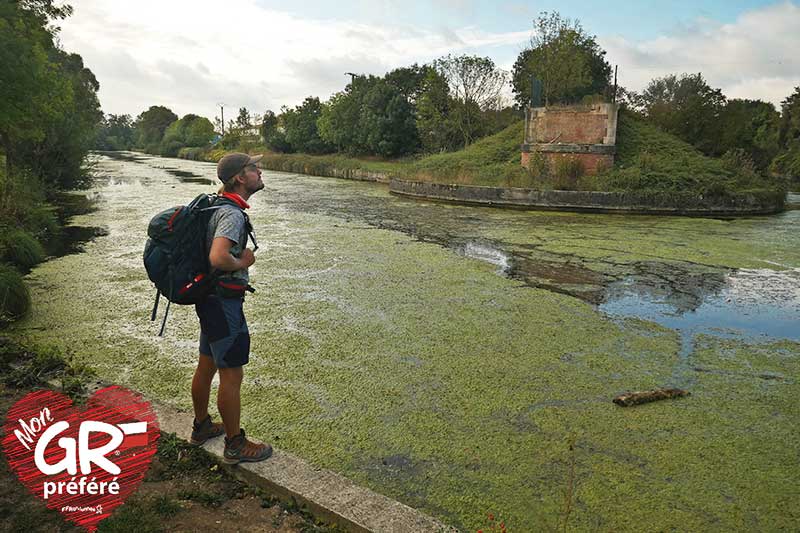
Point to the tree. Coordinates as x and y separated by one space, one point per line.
787 162
243 120
49 109
273 133
34 92
569 62
790 119
68 136
269 125
475 85
301 127
409 81
751 126
436 131
115 133
191 130
199 132
340 118
151 125
372 116
386 121
685 106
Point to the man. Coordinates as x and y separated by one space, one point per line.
224 337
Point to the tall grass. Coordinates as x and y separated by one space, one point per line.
14 297
26 220
20 248
492 161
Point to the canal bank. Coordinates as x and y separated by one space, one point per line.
638 203
447 355
760 202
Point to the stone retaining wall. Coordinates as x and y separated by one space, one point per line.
596 201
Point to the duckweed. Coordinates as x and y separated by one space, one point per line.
432 378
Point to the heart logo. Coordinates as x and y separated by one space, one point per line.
81 462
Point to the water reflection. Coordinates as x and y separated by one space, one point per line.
752 303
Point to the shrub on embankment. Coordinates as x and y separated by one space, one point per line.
27 222
20 248
330 165
14 297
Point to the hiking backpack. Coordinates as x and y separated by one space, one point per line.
176 254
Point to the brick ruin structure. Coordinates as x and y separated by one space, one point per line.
586 133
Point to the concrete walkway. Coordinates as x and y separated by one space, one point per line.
330 497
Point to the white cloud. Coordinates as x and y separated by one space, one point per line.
191 55
753 57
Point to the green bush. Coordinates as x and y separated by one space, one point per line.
787 164
538 165
14 297
153 148
215 154
42 222
170 148
20 248
567 173
195 153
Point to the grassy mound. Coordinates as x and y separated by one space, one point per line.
650 159
492 161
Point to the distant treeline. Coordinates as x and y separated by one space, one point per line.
448 104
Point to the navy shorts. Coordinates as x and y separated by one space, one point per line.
223 331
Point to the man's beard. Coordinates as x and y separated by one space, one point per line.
257 188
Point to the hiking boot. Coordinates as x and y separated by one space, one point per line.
240 450
205 430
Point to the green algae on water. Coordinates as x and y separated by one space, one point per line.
429 377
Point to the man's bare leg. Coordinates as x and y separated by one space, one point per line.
201 386
228 400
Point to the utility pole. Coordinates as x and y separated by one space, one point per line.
352 76
614 96
222 116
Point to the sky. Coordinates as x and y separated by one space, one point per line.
192 56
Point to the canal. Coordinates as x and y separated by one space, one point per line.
463 359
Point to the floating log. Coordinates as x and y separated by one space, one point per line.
629 399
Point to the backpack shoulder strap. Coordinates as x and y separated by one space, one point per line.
217 202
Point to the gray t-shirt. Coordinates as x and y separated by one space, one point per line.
228 221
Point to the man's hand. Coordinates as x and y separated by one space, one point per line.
248 257
221 258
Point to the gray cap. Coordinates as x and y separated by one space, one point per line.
232 164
